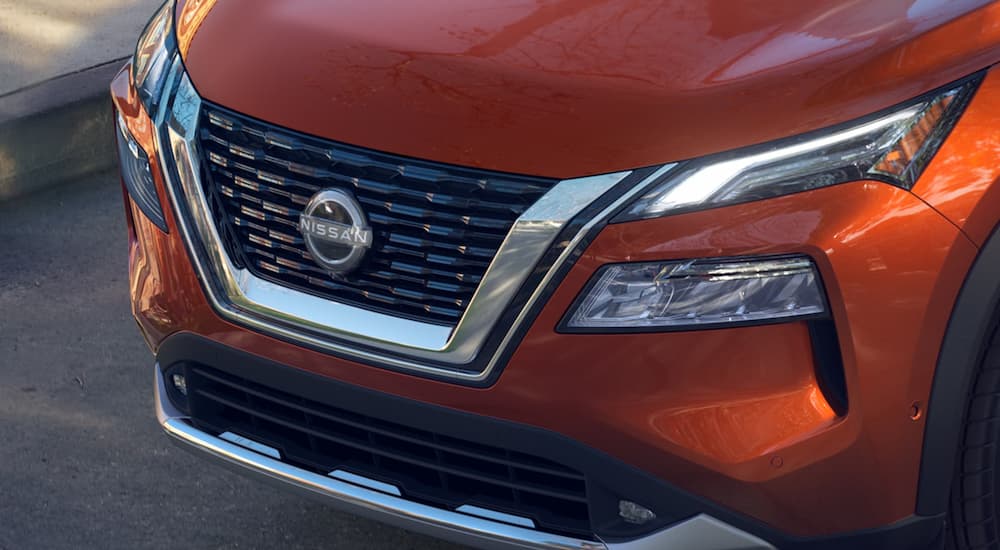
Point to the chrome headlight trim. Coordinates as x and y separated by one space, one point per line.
355 332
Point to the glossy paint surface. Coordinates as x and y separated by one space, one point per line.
733 415
146 284
567 88
962 183
891 267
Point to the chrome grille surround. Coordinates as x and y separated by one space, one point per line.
359 333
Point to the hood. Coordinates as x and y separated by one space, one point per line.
566 88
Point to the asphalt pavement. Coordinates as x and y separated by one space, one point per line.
42 39
83 463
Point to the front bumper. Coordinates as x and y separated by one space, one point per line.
375 505
701 530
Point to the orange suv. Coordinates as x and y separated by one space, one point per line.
585 274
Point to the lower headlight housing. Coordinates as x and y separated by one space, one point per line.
138 176
707 293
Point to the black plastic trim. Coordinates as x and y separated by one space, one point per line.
670 503
829 364
976 310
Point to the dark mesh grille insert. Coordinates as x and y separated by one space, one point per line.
436 227
428 467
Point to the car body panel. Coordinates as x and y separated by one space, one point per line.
577 87
962 183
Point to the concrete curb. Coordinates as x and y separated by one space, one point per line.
57 131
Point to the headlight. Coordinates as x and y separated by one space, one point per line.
697 294
153 55
893 147
138 176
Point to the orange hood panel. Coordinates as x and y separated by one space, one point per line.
575 87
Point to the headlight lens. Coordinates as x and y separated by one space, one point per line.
895 148
697 293
138 176
153 54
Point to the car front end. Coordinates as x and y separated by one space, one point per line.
458 278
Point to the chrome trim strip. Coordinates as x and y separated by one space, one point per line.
486 513
529 239
366 482
701 532
536 296
353 331
248 443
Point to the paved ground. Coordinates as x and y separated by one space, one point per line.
82 462
41 39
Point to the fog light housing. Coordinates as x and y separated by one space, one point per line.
180 383
175 379
634 513
679 295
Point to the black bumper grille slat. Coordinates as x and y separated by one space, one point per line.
428 467
400 215
402 457
383 190
432 442
394 274
388 283
436 227
453 237
382 293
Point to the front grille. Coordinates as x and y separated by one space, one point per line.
428 467
436 227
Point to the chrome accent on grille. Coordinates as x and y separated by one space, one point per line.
356 332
